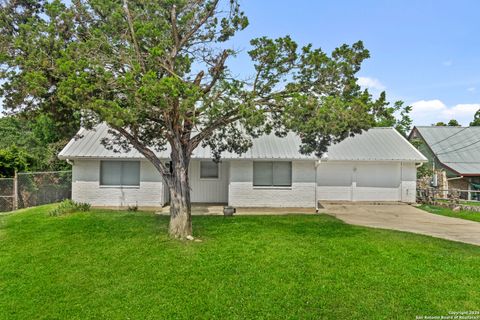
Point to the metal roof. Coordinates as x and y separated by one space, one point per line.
456 147
376 144
381 144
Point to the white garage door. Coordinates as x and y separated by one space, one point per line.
359 181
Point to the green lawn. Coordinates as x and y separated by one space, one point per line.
463 214
465 202
121 265
470 203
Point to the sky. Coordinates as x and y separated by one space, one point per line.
423 52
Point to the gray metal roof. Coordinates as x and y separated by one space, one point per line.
375 144
456 147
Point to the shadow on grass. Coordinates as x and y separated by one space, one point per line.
282 225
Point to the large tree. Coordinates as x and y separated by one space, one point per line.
476 119
34 35
157 73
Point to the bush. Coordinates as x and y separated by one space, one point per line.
69 206
133 208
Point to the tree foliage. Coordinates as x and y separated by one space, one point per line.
453 123
157 72
33 38
397 116
14 159
476 119
36 137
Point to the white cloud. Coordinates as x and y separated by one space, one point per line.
426 112
447 63
370 83
471 89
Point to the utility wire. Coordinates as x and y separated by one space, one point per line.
468 145
449 136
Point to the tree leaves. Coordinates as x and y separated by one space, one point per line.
476 119
159 70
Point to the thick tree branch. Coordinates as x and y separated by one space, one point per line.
200 23
227 119
133 36
216 71
198 78
146 152
168 69
173 21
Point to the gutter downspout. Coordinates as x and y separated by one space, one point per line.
419 165
401 182
317 163
70 162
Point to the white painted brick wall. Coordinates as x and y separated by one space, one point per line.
242 193
86 187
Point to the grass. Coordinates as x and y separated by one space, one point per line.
121 265
470 203
463 214
464 202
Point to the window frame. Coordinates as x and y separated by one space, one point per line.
200 170
256 186
129 186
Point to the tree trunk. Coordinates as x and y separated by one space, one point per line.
180 207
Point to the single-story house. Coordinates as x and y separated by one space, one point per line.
455 150
377 165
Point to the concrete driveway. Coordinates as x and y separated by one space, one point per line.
405 217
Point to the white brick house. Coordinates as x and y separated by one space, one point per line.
378 165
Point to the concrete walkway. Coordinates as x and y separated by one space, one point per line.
206 209
405 217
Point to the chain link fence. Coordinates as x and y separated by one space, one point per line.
29 189
6 194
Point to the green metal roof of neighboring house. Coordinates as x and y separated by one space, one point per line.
376 144
458 148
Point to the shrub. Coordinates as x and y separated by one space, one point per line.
69 206
133 208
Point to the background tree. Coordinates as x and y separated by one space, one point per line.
453 123
14 159
156 72
35 136
476 119
34 37
397 116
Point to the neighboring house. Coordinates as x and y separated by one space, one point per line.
456 150
378 165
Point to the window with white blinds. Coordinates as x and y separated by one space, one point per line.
272 173
120 173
